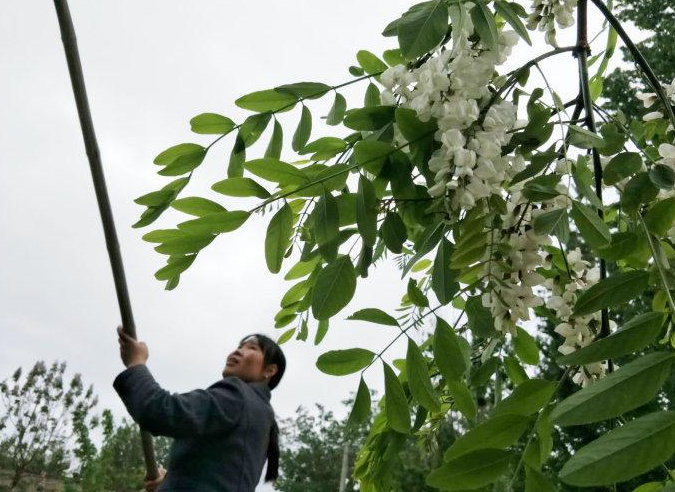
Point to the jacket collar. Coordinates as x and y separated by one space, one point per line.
262 389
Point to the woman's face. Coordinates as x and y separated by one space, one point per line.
247 362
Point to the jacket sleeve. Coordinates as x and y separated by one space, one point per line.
215 410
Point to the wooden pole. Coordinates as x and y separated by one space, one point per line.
345 466
91 146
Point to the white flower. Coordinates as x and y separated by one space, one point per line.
654 115
647 98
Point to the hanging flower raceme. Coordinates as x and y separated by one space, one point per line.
547 13
578 331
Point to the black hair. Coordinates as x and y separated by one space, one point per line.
272 354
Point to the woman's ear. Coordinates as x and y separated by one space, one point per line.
269 371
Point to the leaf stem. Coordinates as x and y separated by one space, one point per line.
534 429
581 54
662 274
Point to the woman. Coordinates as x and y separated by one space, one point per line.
223 434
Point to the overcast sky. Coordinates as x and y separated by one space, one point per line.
149 67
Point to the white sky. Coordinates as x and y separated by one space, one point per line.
149 67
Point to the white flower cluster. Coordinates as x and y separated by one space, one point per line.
513 279
546 13
578 331
451 87
649 98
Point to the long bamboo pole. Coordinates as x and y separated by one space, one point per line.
91 146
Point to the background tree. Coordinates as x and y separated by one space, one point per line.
657 19
37 417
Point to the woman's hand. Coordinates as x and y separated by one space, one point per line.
131 352
153 485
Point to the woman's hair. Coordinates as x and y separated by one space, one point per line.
272 354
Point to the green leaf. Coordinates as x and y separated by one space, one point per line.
624 452
370 63
329 178
480 319
343 362
662 176
325 219
197 206
278 238
485 26
443 281
542 188
156 198
554 222
240 187
184 245
631 337
527 398
393 232
591 226
660 217
537 482
369 118
448 353
637 191
427 241
393 57
419 380
215 223
303 131
180 159
372 96
508 13
415 294
623 244
396 404
625 389
337 110
267 100
497 432
421 31
302 268
163 235
305 90
253 127
175 266
463 398
470 247
276 171
177 152
612 291
367 206
324 148
471 471
373 315
276 142
514 370
372 154
526 347
361 408
334 288
286 336
584 139
211 124
621 166
321 331
235 167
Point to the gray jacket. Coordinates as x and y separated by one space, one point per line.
221 433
